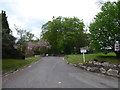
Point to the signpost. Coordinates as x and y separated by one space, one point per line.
83 51
117 46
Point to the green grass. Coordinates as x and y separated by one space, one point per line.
76 59
13 64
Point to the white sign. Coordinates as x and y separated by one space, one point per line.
117 47
83 50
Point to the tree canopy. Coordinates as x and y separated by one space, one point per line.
24 35
105 29
65 35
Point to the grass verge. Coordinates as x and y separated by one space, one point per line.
76 59
14 64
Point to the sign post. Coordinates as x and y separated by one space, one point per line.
83 51
83 57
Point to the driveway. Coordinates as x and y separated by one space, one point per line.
53 72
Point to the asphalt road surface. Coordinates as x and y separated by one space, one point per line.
54 72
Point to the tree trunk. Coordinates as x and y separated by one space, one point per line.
117 54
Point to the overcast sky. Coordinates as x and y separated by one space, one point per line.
32 14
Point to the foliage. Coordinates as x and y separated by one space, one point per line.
64 34
8 41
105 29
40 47
25 36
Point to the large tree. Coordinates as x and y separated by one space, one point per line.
64 34
105 29
8 41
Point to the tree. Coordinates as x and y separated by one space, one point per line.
8 41
25 36
105 29
40 47
64 34
29 36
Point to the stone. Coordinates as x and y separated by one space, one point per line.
67 62
99 66
80 64
100 63
106 67
75 65
90 62
94 69
115 65
112 72
88 68
97 63
84 67
105 64
111 65
119 65
102 70
118 75
93 62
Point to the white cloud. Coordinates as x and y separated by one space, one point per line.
32 14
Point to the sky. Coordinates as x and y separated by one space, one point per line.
32 14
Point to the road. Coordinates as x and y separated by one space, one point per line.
53 72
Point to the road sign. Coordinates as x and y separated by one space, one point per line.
83 50
117 46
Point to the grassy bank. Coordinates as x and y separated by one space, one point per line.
76 59
13 64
